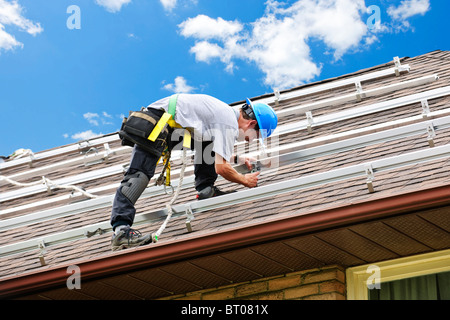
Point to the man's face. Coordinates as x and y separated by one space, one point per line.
247 132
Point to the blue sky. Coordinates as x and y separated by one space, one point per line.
67 75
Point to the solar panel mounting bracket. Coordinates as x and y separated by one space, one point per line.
189 217
359 91
42 251
398 65
431 134
370 177
310 119
277 97
86 157
425 108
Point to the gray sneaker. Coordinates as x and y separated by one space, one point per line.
129 238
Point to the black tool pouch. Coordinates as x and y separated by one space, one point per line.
137 128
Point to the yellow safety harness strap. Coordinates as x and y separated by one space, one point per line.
169 118
159 127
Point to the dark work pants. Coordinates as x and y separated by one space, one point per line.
123 211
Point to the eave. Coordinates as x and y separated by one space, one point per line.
210 244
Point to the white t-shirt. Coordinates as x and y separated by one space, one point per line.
211 119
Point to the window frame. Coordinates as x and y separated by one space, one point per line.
397 269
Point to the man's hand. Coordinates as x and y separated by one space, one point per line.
251 180
225 169
247 161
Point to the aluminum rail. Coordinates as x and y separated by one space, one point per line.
100 173
320 120
357 96
293 94
55 152
292 147
87 159
317 88
262 192
423 97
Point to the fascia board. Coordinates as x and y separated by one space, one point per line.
214 242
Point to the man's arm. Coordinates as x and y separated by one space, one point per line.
225 169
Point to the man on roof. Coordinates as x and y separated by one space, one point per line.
215 127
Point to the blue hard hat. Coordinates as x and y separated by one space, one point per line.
266 117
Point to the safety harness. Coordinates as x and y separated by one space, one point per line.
168 118
148 129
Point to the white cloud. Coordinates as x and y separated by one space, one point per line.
204 27
409 8
95 119
168 5
279 42
179 86
85 135
7 41
112 5
206 51
406 10
11 15
92 118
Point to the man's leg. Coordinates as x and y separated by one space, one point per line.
204 165
205 171
141 170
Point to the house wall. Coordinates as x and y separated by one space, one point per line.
327 283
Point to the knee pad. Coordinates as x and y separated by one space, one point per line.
133 185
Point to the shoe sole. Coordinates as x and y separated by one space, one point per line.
126 246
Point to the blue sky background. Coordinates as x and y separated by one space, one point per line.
60 85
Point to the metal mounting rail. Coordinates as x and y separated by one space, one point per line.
358 95
70 148
320 120
292 94
262 192
73 180
86 159
333 84
420 98
297 148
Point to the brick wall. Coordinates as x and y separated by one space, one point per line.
326 283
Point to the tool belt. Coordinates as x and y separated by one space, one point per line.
151 129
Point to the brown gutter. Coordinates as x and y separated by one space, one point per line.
145 257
